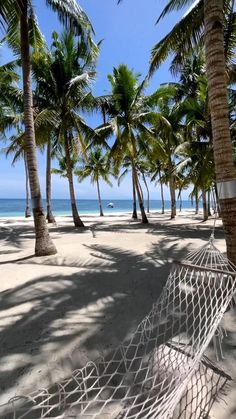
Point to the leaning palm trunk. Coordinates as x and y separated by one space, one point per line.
50 216
27 193
214 201
204 204
196 201
76 218
141 205
209 203
180 201
134 215
162 195
141 189
43 243
148 199
217 92
172 196
99 199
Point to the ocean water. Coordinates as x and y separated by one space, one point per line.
16 207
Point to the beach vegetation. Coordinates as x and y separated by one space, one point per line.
181 135
210 23
19 21
63 78
96 165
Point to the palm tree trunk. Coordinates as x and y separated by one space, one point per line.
140 188
50 216
148 195
99 199
217 93
172 187
209 203
134 215
204 204
43 243
214 201
76 218
162 195
180 201
27 193
196 202
172 196
141 205
217 200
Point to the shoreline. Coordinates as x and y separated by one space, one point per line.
106 214
15 208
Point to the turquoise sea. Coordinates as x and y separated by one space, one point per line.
16 207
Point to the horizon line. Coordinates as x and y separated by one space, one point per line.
103 199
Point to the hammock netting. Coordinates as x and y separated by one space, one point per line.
161 372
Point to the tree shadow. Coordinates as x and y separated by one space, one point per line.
188 231
53 324
21 259
8 252
15 235
96 309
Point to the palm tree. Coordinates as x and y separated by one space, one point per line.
11 118
126 168
63 77
17 148
188 34
217 91
155 169
127 100
143 169
168 131
66 171
207 18
96 166
50 217
10 94
15 13
128 119
196 166
182 182
190 72
194 89
199 128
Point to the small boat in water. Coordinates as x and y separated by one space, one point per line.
110 205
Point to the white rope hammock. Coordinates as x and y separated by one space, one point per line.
161 372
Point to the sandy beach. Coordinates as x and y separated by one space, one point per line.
58 312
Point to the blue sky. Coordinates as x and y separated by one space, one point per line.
128 32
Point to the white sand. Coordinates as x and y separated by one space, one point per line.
60 311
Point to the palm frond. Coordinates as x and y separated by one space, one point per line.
185 35
36 38
10 10
174 5
72 16
47 118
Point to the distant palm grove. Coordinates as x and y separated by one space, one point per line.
181 135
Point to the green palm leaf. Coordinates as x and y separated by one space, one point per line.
175 5
71 15
185 35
